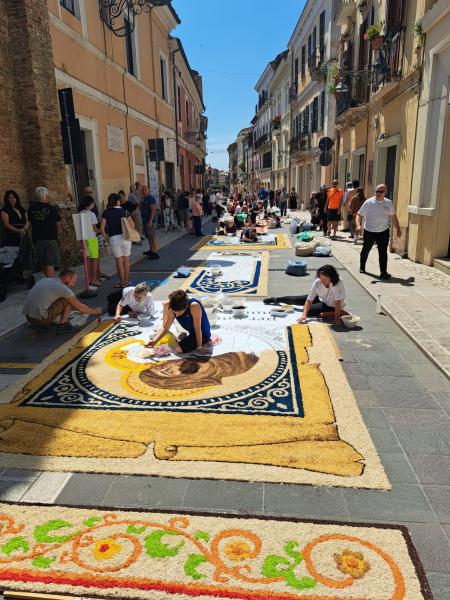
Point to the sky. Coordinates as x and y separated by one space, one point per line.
230 43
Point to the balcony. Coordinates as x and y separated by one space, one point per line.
343 10
263 139
293 92
300 143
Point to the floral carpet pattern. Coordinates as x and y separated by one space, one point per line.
178 556
241 274
268 402
267 241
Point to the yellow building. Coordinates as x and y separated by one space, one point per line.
429 209
122 90
376 83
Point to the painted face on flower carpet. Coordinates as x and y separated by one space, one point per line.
197 372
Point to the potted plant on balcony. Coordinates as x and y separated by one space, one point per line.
318 72
332 78
241 166
276 122
373 34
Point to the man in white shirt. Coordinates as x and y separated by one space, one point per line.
138 300
50 301
378 212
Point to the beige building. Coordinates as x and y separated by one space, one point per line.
377 89
311 48
281 121
429 208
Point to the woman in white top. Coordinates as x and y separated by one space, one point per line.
136 300
326 298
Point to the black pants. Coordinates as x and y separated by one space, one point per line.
189 343
317 306
382 241
324 222
197 221
283 209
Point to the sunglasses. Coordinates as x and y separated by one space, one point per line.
380 191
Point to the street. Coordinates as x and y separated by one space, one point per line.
403 397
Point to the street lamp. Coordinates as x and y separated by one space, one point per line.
111 10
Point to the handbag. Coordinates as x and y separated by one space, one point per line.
129 233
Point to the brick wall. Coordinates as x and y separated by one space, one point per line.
30 144
12 171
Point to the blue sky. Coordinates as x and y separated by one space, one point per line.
230 43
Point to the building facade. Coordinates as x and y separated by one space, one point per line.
377 84
123 90
429 208
281 122
233 166
191 123
311 49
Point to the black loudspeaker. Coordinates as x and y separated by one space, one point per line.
66 105
74 131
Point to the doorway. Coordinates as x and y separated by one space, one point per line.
389 179
170 175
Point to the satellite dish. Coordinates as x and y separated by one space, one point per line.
325 159
326 144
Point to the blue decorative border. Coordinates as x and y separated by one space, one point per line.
278 395
206 283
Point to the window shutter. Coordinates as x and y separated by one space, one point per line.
315 114
322 109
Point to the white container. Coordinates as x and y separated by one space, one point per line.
350 321
239 310
215 270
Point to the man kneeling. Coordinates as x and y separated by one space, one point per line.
50 300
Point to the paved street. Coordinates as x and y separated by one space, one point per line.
403 396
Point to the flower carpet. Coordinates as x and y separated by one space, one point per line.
116 554
242 274
269 402
267 241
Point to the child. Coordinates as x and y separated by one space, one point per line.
85 207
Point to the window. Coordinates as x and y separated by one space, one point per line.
309 50
187 114
303 62
69 5
306 127
315 114
322 36
322 110
130 48
179 102
164 86
296 72
314 48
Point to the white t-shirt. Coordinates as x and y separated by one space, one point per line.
43 294
146 306
377 214
328 295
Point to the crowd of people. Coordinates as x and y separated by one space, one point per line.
244 214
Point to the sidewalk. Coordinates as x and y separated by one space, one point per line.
11 308
421 308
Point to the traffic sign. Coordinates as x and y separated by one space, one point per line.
325 159
326 144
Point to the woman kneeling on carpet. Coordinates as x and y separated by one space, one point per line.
191 315
135 300
326 298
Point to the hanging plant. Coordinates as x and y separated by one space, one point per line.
374 31
419 34
332 78
241 166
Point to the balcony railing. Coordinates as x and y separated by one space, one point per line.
263 139
355 85
300 143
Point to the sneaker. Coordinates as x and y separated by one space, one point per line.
355 239
385 275
64 328
361 270
153 256
147 253
270 300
